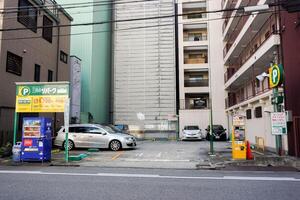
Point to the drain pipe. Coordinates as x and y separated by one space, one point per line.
56 70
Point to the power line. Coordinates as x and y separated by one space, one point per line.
132 28
99 3
74 5
118 21
80 12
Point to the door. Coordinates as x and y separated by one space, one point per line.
80 135
98 138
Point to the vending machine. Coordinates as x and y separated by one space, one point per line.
36 139
239 150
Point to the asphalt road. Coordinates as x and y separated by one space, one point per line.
134 184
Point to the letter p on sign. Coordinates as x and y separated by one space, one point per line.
276 75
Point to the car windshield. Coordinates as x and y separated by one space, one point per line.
115 129
108 129
191 128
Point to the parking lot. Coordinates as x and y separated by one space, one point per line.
152 154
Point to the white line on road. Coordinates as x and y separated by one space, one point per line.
246 178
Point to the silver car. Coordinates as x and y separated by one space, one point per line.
94 136
192 133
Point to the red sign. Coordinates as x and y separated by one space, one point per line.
28 142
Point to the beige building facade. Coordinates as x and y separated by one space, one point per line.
33 48
251 44
201 80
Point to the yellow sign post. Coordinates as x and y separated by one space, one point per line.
239 151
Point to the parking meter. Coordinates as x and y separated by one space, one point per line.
238 138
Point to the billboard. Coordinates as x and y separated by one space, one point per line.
41 97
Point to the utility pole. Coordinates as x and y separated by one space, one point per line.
211 129
276 77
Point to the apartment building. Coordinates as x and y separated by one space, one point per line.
31 50
144 74
200 64
251 43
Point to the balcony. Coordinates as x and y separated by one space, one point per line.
196 101
242 33
258 52
193 78
192 10
196 55
250 90
195 32
233 18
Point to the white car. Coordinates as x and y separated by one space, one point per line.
192 133
94 136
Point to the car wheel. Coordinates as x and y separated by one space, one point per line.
70 145
115 145
224 137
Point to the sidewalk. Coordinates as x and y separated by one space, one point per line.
222 159
57 159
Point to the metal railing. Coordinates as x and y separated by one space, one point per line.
237 29
194 37
195 60
196 83
242 95
268 29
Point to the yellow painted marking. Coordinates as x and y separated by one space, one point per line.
117 155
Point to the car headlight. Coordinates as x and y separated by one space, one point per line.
128 138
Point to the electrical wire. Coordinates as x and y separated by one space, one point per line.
117 21
74 5
132 28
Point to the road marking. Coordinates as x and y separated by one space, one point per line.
153 160
118 155
245 178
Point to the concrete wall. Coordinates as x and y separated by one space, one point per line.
193 117
260 127
33 50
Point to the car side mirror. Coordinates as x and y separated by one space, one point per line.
103 133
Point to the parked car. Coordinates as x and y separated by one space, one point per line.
94 136
123 127
219 133
192 133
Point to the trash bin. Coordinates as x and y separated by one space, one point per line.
16 150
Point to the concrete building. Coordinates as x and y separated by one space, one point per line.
201 81
92 44
251 43
144 73
31 53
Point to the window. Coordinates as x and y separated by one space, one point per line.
258 112
248 114
47 29
63 57
27 15
81 129
14 64
37 73
50 75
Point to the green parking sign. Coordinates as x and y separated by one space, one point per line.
276 75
